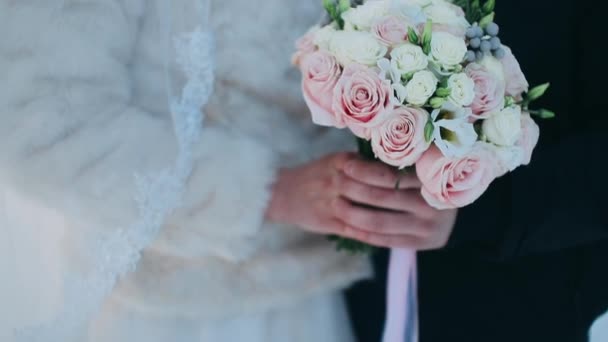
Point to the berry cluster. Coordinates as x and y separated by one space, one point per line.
483 42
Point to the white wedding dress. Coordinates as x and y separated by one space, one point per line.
123 215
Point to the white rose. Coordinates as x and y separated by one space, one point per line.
494 66
420 3
454 134
420 88
408 58
363 17
356 47
410 10
509 157
447 49
503 128
462 89
323 37
441 12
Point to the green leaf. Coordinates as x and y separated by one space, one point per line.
427 36
536 92
412 36
475 10
509 101
443 92
546 114
486 20
489 6
429 129
365 149
350 246
437 102
334 12
343 6
330 7
408 76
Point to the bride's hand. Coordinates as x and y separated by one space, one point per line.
306 196
325 196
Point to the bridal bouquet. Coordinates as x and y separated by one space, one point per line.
424 84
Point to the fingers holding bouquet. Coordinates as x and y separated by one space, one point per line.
349 197
373 210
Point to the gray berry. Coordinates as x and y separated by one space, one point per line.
470 56
478 31
492 29
500 53
475 43
471 32
479 55
485 46
495 41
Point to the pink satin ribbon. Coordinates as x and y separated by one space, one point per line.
402 298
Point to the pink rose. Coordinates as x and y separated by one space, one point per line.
449 183
320 74
489 91
361 99
390 30
400 140
515 78
304 46
529 138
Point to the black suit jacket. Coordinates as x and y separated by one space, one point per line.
529 260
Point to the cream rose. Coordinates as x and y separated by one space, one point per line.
508 157
356 47
441 12
489 91
494 66
410 10
503 128
515 79
421 3
364 16
304 45
447 49
420 88
400 140
391 30
455 182
408 58
529 138
462 89
320 74
361 100
511 157
323 36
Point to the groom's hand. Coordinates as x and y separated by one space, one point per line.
375 212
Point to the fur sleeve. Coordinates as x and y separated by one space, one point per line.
73 133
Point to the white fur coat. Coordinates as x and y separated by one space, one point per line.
83 107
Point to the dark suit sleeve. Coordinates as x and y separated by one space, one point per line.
560 201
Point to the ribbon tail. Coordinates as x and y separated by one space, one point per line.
402 298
